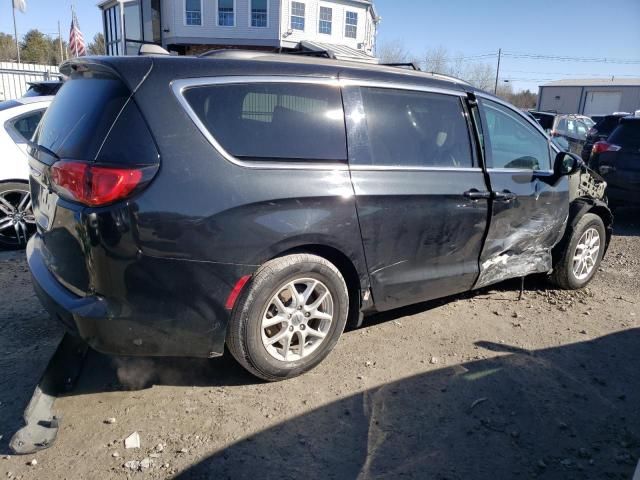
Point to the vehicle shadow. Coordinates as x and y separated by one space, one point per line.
566 412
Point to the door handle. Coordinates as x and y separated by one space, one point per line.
474 194
504 196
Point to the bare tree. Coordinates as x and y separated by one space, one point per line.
394 51
437 60
8 51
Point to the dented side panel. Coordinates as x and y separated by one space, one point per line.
524 230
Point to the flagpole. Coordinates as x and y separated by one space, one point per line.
15 29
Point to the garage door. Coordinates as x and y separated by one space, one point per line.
602 103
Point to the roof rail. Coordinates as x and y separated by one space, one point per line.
401 64
233 53
451 78
312 53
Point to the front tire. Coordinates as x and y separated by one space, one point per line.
289 318
581 258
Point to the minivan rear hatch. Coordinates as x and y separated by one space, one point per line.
92 124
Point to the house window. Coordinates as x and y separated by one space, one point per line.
351 25
258 13
297 16
112 30
326 16
193 12
225 13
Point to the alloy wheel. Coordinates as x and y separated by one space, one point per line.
17 222
297 319
585 257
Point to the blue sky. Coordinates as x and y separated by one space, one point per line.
469 27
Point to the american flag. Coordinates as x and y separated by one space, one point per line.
76 40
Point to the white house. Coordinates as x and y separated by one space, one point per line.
347 28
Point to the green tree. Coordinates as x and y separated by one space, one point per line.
96 47
36 47
55 57
8 51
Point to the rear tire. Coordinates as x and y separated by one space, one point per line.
582 256
275 333
17 222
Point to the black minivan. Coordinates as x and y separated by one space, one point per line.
262 201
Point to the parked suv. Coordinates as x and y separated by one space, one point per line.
600 131
262 201
617 159
570 131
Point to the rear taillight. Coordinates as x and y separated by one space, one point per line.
97 185
602 146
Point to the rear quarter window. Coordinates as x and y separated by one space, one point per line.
81 115
280 121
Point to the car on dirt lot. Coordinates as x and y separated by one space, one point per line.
264 201
617 160
18 121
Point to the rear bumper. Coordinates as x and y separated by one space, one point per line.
176 309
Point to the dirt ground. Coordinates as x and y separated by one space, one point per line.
476 386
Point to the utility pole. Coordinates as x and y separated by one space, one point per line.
60 42
495 89
15 29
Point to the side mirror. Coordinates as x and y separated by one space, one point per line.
567 164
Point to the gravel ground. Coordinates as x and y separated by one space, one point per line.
476 386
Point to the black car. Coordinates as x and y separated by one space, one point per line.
617 159
600 131
262 201
43 88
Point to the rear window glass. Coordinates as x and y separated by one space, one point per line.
607 124
627 133
273 121
79 118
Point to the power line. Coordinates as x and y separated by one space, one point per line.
560 58
574 74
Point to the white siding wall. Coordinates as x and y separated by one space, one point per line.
312 17
278 23
173 19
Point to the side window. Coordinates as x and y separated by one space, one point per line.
26 125
273 121
512 142
416 129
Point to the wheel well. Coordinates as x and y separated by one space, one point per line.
344 264
607 218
